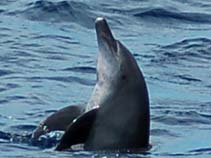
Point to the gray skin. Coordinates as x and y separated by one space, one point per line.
58 120
118 110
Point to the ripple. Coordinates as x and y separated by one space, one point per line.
63 11
62 38
12 85
5 2
25 54
187 43
1 90
67 79
5 72
8 86
183 118
16 97
161 132
5 136
163 13
1 11
185 50
3 101
201 151
187 78
23 127
190 61
81 69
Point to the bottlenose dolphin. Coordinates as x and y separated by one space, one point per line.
117 116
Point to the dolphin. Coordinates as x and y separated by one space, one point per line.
117 116
58 121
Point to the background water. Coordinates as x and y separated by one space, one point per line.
48 59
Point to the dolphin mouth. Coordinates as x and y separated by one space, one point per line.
104 36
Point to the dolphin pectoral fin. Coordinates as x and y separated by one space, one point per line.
58 120
78 131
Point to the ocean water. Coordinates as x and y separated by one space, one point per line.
48 53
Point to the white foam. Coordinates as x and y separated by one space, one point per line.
99 19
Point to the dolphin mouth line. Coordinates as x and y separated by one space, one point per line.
104 35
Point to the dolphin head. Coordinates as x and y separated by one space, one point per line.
115 63
116 67
107 64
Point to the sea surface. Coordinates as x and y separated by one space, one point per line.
48 54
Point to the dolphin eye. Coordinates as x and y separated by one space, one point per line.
124 77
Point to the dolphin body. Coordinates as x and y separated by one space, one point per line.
117 116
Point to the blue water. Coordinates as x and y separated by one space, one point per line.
48 59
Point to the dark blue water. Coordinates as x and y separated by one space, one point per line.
48 59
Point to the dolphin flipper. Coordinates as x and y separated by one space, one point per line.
58 120
78 131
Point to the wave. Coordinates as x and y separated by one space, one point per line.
24 127
46 141
63 11
162 132
201 151
165 14
189 58
62 38
64 79
5 136
2 11
82 69
198 48
182 118
5 72
187 43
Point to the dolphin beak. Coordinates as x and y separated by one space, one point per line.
104 36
